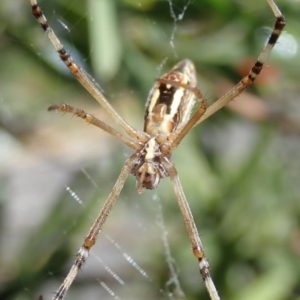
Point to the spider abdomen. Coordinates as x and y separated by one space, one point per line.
170 103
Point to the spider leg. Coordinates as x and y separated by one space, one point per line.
192 230
93 120
202 113
256 69
90 240
81 75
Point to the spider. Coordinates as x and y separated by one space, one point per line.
167 121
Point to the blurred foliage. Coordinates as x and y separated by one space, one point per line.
239 169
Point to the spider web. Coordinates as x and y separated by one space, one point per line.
58 171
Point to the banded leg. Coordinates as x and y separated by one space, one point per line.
90 240
95 121
81 75
256 69
191 228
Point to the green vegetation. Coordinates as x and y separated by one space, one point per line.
240 169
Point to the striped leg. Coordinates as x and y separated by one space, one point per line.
256 69
81 75
93 120
192 231
90 240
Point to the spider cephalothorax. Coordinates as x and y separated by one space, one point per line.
149 168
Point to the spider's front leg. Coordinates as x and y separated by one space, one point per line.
255 70
95 121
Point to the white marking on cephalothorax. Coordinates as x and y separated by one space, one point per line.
150 149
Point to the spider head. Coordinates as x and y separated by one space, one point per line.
148 170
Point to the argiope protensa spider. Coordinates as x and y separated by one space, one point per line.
167 121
